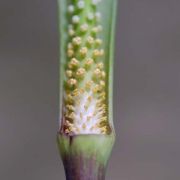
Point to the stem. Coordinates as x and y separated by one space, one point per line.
82 168
85 157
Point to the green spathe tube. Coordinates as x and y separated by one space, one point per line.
86 132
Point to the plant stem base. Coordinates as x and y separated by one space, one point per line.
82 168
85 157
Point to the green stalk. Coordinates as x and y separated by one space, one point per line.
86 132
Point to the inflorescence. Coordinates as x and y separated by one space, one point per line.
85 109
